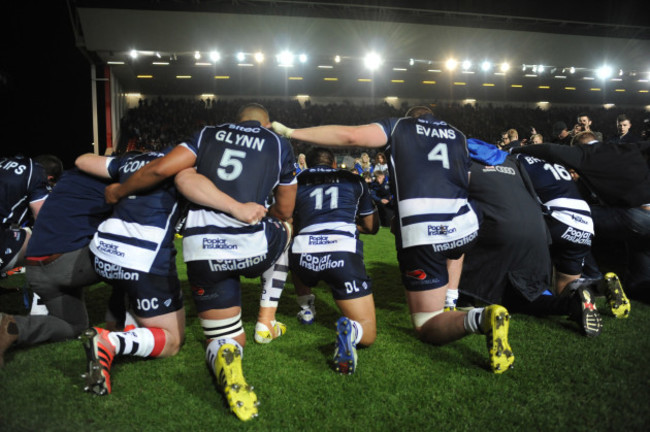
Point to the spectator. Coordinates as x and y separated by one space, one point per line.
623 126
383 197
301 165
380 163
584 125
363 164
561 134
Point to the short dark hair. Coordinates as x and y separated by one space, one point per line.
320 156
584 115
418 111
252 110
52 164
379 172
622 117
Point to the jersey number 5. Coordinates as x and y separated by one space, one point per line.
230 166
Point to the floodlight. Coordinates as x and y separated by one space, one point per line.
504 67
240 56
259 57
466 65
215 56
133 54
197 55
486 65
411 62
337 59
604 72
302 58
285 58
572 70
372 61
451 64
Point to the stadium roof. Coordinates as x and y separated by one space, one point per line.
414 40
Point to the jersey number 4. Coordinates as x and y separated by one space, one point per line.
317 194
440 153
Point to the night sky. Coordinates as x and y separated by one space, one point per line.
45 85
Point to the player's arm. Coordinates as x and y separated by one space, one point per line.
200 190
370 135
93 164
554 153
152 174
367 216
35 207
368 224
285 201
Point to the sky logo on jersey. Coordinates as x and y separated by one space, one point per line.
418 274
433 230
217 244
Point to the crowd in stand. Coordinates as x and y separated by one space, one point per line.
156 123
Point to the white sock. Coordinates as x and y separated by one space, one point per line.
213 348
306 301
138 342
358 331
473 319
273 280
451 298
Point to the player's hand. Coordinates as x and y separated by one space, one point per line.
281 129
250 212
111 193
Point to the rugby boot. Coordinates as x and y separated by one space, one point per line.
8 334
494 324
99 355
345 351
241 398
617 301
584 312
263 335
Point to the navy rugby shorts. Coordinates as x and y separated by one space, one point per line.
215 283
344 272
11 241
150 295
569 248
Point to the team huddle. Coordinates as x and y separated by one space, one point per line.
461 206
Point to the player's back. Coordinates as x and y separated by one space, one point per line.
244 160
551 181
558 192
21 181
429 175
327 197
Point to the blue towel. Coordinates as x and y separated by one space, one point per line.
485 152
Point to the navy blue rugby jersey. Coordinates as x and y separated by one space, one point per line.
245 161
327 204
22 181
70 216
558 192
139 234
428 166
